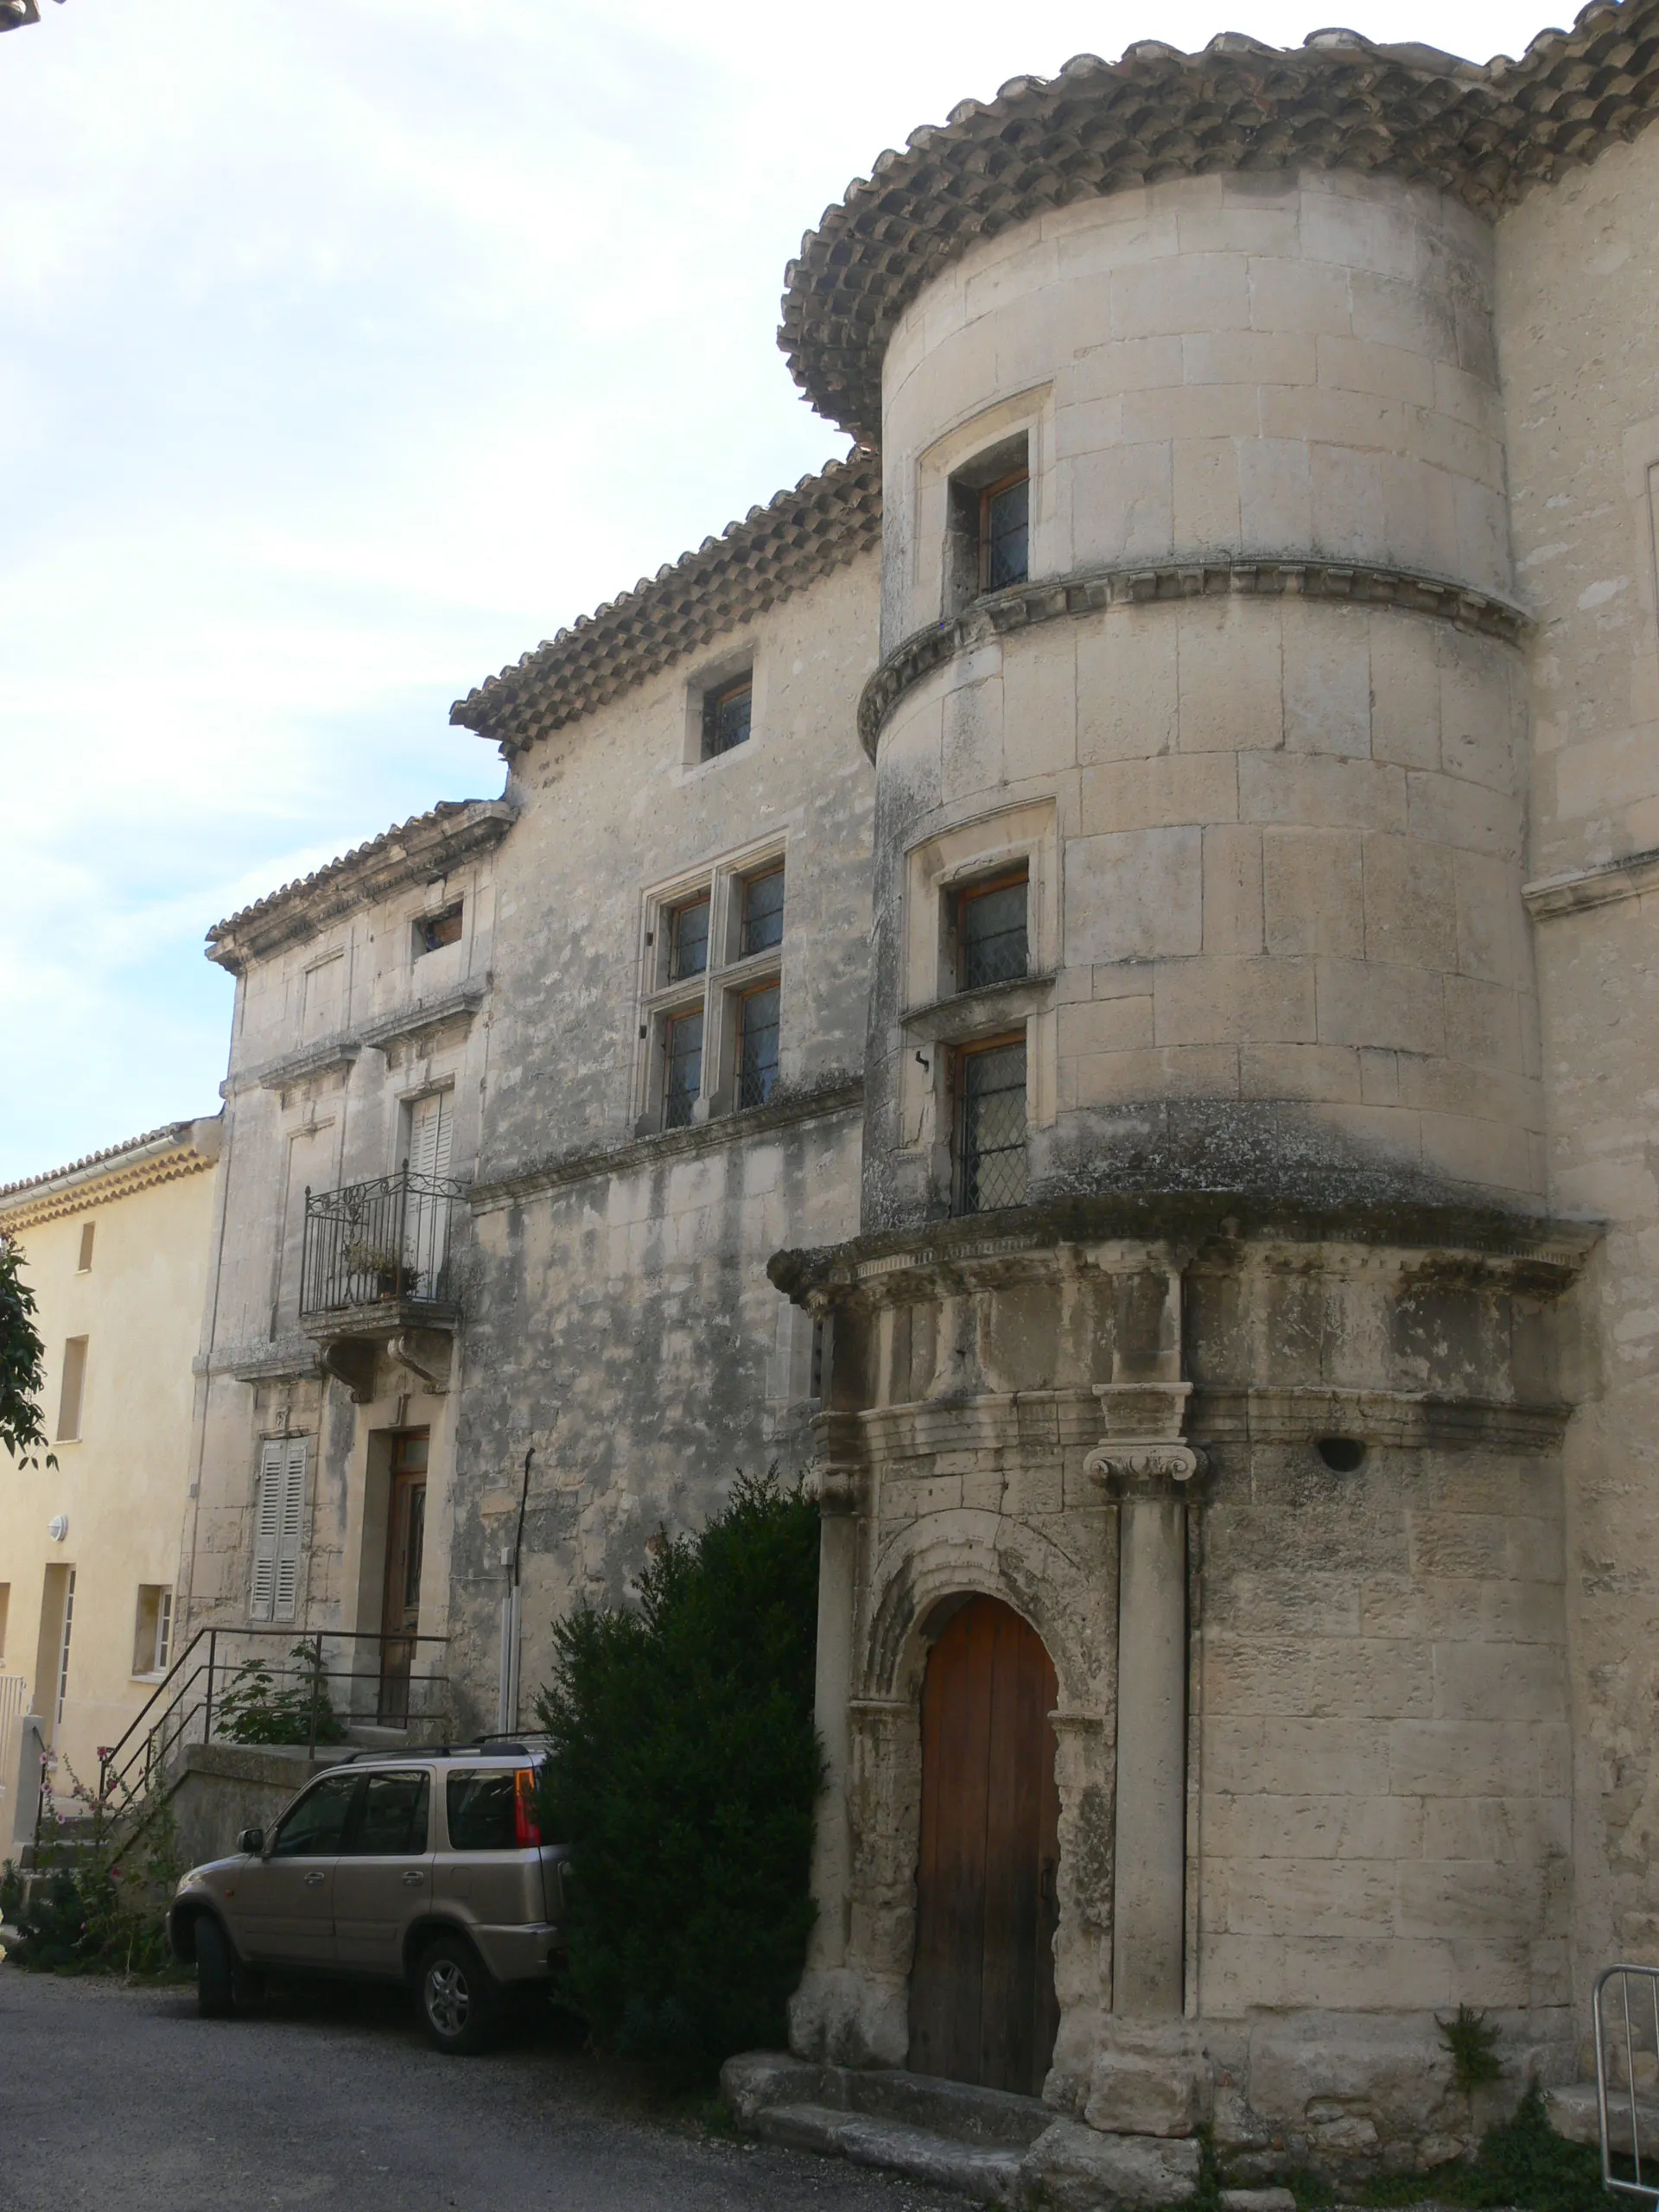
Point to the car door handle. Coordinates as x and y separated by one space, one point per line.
314 1881
414 1879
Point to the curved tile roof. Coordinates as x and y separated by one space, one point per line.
799 535
170 1133
1483 131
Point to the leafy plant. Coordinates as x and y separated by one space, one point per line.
22 1364
255 1710
683 1769
1472 2042
12 1889
102 1906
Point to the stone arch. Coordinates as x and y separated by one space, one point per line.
966 1553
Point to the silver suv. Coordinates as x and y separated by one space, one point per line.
423 1867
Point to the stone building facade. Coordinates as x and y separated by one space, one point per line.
1177 1172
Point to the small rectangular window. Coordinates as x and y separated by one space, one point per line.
683 1068
83 1266
991 935
73 1389
762 912
434 931
152 1642
687 939
726 713
1004 532
757 1045
990 1160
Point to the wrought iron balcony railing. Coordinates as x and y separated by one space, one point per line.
385 1242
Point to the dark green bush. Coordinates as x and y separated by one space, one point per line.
102 1906
1521 2161
684 1770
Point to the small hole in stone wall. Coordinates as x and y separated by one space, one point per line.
1342 1454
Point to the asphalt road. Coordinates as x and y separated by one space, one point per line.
113 2097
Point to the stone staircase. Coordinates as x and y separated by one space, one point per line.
985 2143
1572 2113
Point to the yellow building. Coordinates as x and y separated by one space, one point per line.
115 1250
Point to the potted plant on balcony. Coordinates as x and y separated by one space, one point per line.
372 1264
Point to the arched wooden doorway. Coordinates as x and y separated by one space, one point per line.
982 2007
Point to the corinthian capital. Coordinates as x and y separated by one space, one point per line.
1130 1463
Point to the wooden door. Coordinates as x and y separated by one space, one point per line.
400 1605
982 2007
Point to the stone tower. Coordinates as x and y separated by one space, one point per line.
1205 1323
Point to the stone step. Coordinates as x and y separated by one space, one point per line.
987 2171
958 2109
1572 2113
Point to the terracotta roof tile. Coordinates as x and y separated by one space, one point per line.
168 1132
800 535
1483 132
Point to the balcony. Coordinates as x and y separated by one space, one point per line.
376 1274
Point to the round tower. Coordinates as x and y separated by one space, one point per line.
1202 1208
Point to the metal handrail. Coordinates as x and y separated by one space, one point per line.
384 1240
1619 1980
214 1673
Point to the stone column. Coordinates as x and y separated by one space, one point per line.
833 1689
1149 1917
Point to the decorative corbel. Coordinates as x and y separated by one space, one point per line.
425 1354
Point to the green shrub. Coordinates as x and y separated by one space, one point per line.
12 1889
1472 2042
684 1770
102 1908
254 1711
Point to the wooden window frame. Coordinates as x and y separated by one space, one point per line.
990 493
714 699
965 894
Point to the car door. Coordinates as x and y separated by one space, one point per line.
488 1876
286 1898
383 1878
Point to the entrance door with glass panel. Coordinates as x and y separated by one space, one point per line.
400 1603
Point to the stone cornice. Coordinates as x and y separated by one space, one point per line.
1089 591
1400 1418
1483 133
418 851
1604 885
896 1262
162 1157
340 1050
430 1013
801 534
823 1101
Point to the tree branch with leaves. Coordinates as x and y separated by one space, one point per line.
22 1364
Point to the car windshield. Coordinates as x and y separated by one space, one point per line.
314 1829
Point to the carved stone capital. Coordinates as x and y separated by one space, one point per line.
835 1488
1144 1466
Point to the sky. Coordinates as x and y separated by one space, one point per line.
347 351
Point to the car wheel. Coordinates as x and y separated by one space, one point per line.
459 2003
215 1971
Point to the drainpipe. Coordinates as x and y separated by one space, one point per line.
507 1711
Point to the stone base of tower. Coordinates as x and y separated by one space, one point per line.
1272 1506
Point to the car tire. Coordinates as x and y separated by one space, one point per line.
216 1971
459 2003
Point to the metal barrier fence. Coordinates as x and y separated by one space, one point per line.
1626 2007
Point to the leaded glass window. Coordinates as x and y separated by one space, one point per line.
726 715
683 1067
688 939
757 1046
1004 532
991 1126
762 912
991 937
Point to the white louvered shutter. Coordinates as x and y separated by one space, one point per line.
426 1220
278 1525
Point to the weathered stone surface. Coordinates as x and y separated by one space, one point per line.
1083 2171
1150 2079
991 2174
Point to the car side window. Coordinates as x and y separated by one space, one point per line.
480 1808
391 1820
314 1829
